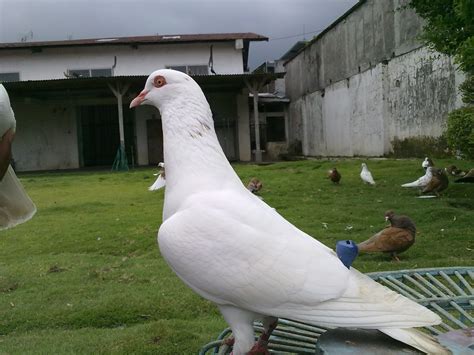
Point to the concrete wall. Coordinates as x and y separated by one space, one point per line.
51 63
46 137
366 81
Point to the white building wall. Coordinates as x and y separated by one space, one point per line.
406 97
51 63
46 137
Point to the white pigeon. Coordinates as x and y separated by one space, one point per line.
422 181
15 205
236 251
366 175
160 181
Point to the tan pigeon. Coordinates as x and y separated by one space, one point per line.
395 239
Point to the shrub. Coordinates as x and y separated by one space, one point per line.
460 133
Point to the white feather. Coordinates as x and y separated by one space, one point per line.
158 184
422 181
233 249
15 205
366 175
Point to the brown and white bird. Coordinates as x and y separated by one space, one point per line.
395 239
469 177
254 185
439 182
427 163
334 175
160 181
454 171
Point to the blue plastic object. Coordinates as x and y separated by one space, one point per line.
347 251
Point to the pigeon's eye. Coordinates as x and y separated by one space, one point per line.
159 81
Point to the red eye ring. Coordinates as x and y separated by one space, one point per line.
159 81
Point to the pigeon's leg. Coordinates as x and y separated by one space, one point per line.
261 346
241 323
395 257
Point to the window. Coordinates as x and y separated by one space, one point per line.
191 69
4 77
87 73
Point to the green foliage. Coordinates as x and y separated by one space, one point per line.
460 133
85 276
467 89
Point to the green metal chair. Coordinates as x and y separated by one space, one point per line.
447 291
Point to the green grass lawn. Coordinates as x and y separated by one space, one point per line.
85 275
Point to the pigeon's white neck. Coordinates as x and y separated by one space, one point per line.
194 159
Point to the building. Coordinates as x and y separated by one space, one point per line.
71 97
366 82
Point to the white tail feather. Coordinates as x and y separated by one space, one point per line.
158 184
416 339
16 206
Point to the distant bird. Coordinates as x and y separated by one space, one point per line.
394 239
454 171
422 181
439 182
160 180
427 163
366 175
334 175
15 205
236 251
469 177
254 185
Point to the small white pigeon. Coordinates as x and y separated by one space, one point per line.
236 251
15 205
422 181
160 181
366 175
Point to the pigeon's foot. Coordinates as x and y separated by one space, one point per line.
229 341
395 258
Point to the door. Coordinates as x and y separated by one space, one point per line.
155 141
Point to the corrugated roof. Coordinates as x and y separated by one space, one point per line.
76 86
138 40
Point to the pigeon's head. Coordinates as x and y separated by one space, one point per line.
164 86
364 166
389 215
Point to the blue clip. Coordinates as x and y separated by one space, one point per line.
347 251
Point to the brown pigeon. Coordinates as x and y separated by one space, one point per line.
438 182
254 185
334 175
454 171
395 239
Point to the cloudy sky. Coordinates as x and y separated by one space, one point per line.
283 21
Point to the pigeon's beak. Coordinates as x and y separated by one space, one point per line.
139 99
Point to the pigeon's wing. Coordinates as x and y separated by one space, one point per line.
233 249
367 177
388 239
158 184
15 205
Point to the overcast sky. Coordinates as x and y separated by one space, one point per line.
283 21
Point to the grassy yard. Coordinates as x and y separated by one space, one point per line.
85 275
